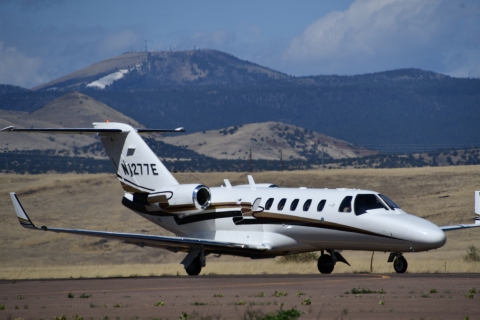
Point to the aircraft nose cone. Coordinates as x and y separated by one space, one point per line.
430 236
436 237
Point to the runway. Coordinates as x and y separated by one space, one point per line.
235 297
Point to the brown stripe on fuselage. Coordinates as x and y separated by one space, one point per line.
313 222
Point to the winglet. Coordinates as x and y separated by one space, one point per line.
9 128
477 202
21 214
477 207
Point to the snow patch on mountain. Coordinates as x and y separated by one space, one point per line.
107 80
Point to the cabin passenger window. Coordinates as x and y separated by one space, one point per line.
294 205
307 204
268 204
281 204
320 206
364 202
346 205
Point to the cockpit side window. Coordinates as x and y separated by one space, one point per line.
364 202
268 204
281 204
346 205
389 202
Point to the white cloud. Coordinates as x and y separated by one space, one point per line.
377 35
19 69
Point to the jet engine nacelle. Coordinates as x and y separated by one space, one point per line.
182 198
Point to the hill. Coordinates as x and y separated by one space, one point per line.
266 140
71 110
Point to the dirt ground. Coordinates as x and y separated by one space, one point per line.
407 296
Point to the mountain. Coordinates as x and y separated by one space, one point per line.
6 88
93 72
150 70
407 110
73 109
265 140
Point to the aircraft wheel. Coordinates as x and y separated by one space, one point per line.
400 264
194 268
325 264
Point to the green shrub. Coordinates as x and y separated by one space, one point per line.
363 290
472 255
71 295
281 314
280 294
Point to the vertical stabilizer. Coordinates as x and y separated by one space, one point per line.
138 168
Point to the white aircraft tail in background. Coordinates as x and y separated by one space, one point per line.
254 220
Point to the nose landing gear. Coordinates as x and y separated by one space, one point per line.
400 264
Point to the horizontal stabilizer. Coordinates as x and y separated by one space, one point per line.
86 130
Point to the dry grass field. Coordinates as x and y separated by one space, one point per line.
443 195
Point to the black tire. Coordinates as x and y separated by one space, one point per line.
325 264
194 268
400 264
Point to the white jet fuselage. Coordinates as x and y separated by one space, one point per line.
303 228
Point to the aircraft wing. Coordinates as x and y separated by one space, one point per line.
175 244
462 226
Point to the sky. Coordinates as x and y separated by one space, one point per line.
41 40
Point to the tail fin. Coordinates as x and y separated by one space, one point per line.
138 168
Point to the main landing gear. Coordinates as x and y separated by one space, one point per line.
194 262
400 264
326 262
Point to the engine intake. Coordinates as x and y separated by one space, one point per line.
185 198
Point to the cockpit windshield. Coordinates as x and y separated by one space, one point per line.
389 202
364 202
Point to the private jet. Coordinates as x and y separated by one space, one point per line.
254 220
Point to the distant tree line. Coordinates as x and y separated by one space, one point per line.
36 162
